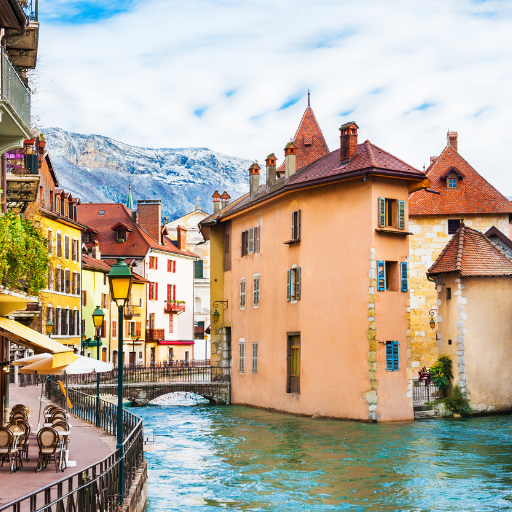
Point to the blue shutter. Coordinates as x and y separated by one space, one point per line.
392 356
381 275
288 285
403 277
297 235
297 285
401 214
382 212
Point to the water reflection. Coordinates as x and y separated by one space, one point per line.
243 459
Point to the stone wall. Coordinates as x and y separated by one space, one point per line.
428 239
138 493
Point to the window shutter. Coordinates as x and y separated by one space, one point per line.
403 277
156 290
138 329
174 266
150 291
68 283
251 241
156 263
59 245
382 212
85 297
381 275
289 285
168 292
297 285
401 214
389 356
66 247
254 296
243 242
168 265
258 234
298 225
78 284
173 292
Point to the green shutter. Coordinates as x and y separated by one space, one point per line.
288 285
403 277
401 214
297 285
298 225
198 269
381 275
382 212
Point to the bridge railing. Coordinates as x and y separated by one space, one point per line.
140 374
95 488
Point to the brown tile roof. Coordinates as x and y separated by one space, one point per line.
138 241
309 141
472 195
369 159
88 262
471 253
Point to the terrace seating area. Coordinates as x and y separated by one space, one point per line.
34 458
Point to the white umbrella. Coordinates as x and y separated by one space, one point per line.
31 359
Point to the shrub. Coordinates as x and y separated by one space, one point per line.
441 374
457 402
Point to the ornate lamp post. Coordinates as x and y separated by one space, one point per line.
49 328
120 280
97 319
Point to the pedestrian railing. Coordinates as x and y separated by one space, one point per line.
423 391
95 488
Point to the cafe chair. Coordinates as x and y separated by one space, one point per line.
49 448
7 450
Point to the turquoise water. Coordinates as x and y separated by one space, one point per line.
213 457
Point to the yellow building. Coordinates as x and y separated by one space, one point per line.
95 293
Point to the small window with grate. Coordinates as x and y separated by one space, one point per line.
453 225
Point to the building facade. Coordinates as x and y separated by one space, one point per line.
290 300
458 194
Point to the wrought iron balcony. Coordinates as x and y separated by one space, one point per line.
22 175
155 334
174 307
130 311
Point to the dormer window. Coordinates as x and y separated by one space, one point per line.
121 235
452 182
452 178
87 237
121 231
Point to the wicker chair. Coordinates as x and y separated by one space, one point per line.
58 416
15 416
24 440
49 447
7 450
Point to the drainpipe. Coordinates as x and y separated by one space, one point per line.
4 184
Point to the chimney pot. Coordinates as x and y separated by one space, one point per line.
254 179
95 252
216 201
290 163
182 238
348 140
224 198
452 140
271 162
433 159
150 217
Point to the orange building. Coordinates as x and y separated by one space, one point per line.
312 269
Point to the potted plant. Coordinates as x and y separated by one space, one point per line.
42 142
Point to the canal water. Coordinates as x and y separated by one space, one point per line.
227 457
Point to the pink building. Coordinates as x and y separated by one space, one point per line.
313 267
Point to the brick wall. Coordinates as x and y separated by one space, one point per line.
149 218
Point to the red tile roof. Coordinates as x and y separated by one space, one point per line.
138 241
309 141
471 253
88 262
472 195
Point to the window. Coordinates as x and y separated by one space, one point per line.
121 235
153 263
453 225
293 364
452 182
404 284
101 212
256 290
242 293
87 237
73 283
198 269
56 321
171 266
257 243
50 278
293 284
66 247
171 323
391 213
74 251
448 293
103 329
199 330
49 314
114 329
67 277
59 245
153 291
387 276
241 356
251 241
254 358
171 292
391 268
392 356
296 225
50 242
244 242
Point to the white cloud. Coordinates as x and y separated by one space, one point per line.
406 72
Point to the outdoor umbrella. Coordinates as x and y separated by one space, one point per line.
31 359
79 365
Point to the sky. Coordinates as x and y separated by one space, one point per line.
233 76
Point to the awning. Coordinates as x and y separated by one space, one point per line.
176 342
27 337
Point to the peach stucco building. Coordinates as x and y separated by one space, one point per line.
315 328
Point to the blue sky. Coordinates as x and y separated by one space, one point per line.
233 76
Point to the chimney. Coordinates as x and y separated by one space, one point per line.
182 238
289 159
254 179
216 201
271 170
95 251
452 139
224 199
433 159
348 140
150 217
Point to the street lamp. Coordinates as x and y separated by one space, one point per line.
120 279
49 328
97 319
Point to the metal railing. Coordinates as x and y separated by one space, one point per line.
95 488
14 90
194 371
423 392
30 9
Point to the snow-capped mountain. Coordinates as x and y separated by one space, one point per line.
99 169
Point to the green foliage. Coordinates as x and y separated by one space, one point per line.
441 374
457 402
23 254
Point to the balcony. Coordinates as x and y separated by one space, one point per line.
174 307
14 106
22 175
22 48
130 311
155 334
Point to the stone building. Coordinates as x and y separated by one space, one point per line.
474 291
457 194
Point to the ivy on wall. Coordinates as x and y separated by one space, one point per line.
23 254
